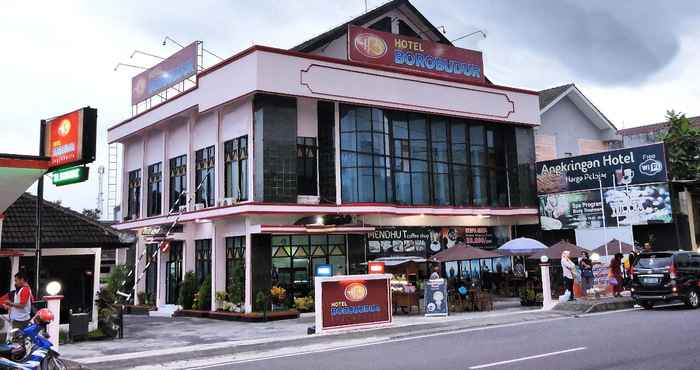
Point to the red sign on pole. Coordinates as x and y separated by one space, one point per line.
70 138
376 47
351 301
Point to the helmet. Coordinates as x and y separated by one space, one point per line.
44 316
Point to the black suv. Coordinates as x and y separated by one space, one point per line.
665 277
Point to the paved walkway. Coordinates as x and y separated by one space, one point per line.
143 333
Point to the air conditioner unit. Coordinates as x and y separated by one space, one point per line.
182 209
227 202
198 206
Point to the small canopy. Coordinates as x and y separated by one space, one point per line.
462 252
614 247
555 251
17 173
522 247
395 261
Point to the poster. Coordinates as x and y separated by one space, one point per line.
436 297
353 300
426 241
630 166
623 205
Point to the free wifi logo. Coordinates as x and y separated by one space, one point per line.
370 45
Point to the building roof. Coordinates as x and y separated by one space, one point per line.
328 36
547 96
654 127
550 97
61 227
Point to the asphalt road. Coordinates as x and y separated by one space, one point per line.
666 338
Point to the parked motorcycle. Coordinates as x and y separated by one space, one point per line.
29 349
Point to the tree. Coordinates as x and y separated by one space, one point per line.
682 147
92 213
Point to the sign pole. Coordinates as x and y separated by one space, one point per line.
602 210
39 205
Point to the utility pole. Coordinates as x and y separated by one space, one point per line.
39 206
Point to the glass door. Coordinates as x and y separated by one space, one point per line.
173 269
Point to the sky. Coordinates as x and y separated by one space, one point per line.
633 59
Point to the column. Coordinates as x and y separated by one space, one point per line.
15 269
95 286
248 301
214 270
160 279
546 286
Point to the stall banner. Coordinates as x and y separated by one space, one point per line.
385 48
171 71
624 205
436 297
631 166
352 300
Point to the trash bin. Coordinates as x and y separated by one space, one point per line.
78 325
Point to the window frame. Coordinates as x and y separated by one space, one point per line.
177 176
202 259
307 181
236 158
155 190
134 195
205 177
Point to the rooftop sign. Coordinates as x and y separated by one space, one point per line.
376 47
69 139
171 71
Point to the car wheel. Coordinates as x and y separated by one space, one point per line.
693 300
648 305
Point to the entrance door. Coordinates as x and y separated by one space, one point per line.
173 270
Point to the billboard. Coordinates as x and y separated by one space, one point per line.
631 166
69 140
624 205
384 48
352 301
169 72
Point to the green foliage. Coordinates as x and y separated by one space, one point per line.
116 278
260 301
188 288
203 298
237 284
682 147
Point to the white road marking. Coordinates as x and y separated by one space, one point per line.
527 358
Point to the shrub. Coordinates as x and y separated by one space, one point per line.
188 288
236 284
142 297
260 301
204 295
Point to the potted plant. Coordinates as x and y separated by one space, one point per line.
278 296
221 297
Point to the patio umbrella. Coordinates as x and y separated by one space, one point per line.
522 247
614 246
462 252
395 261
555 251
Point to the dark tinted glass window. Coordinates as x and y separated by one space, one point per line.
656 260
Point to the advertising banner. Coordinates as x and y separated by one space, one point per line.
436 297
624 205
352 300
631 166
385 48
426 241
70 139
171 71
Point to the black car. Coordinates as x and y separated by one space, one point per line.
660 277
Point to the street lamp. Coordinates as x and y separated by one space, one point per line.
544 259
546 284
53 288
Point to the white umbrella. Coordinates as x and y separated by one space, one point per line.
522 246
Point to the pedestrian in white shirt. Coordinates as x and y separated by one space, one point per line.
568 268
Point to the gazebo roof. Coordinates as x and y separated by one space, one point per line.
555 251
614 247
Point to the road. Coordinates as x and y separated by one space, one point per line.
666 338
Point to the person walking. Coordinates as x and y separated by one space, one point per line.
568 268
20 307
615 275
586 266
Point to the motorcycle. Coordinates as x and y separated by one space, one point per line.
29 349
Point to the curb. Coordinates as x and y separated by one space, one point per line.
386 333
595 306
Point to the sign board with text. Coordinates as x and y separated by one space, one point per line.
630 166
351 301
436 297
70 139
169 72
432 58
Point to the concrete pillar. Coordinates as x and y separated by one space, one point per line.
214 256
15 269
95 287
248 302
160 279
547 302
53 303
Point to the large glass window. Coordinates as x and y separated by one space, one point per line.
307 154
364 139
433 160
178 182
151 273
235 268
202 259
236 168
155 181
204 175
134 199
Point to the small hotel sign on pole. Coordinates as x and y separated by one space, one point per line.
352 301
376 47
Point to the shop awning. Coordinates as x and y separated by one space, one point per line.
17 174
315 229
555 251
462 252
395 261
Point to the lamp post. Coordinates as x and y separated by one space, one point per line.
547 303
53 303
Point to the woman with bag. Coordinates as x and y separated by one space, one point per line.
568 270
615 275
586 266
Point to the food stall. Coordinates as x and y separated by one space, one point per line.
407 283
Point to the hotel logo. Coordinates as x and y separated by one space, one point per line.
355 292
371 46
